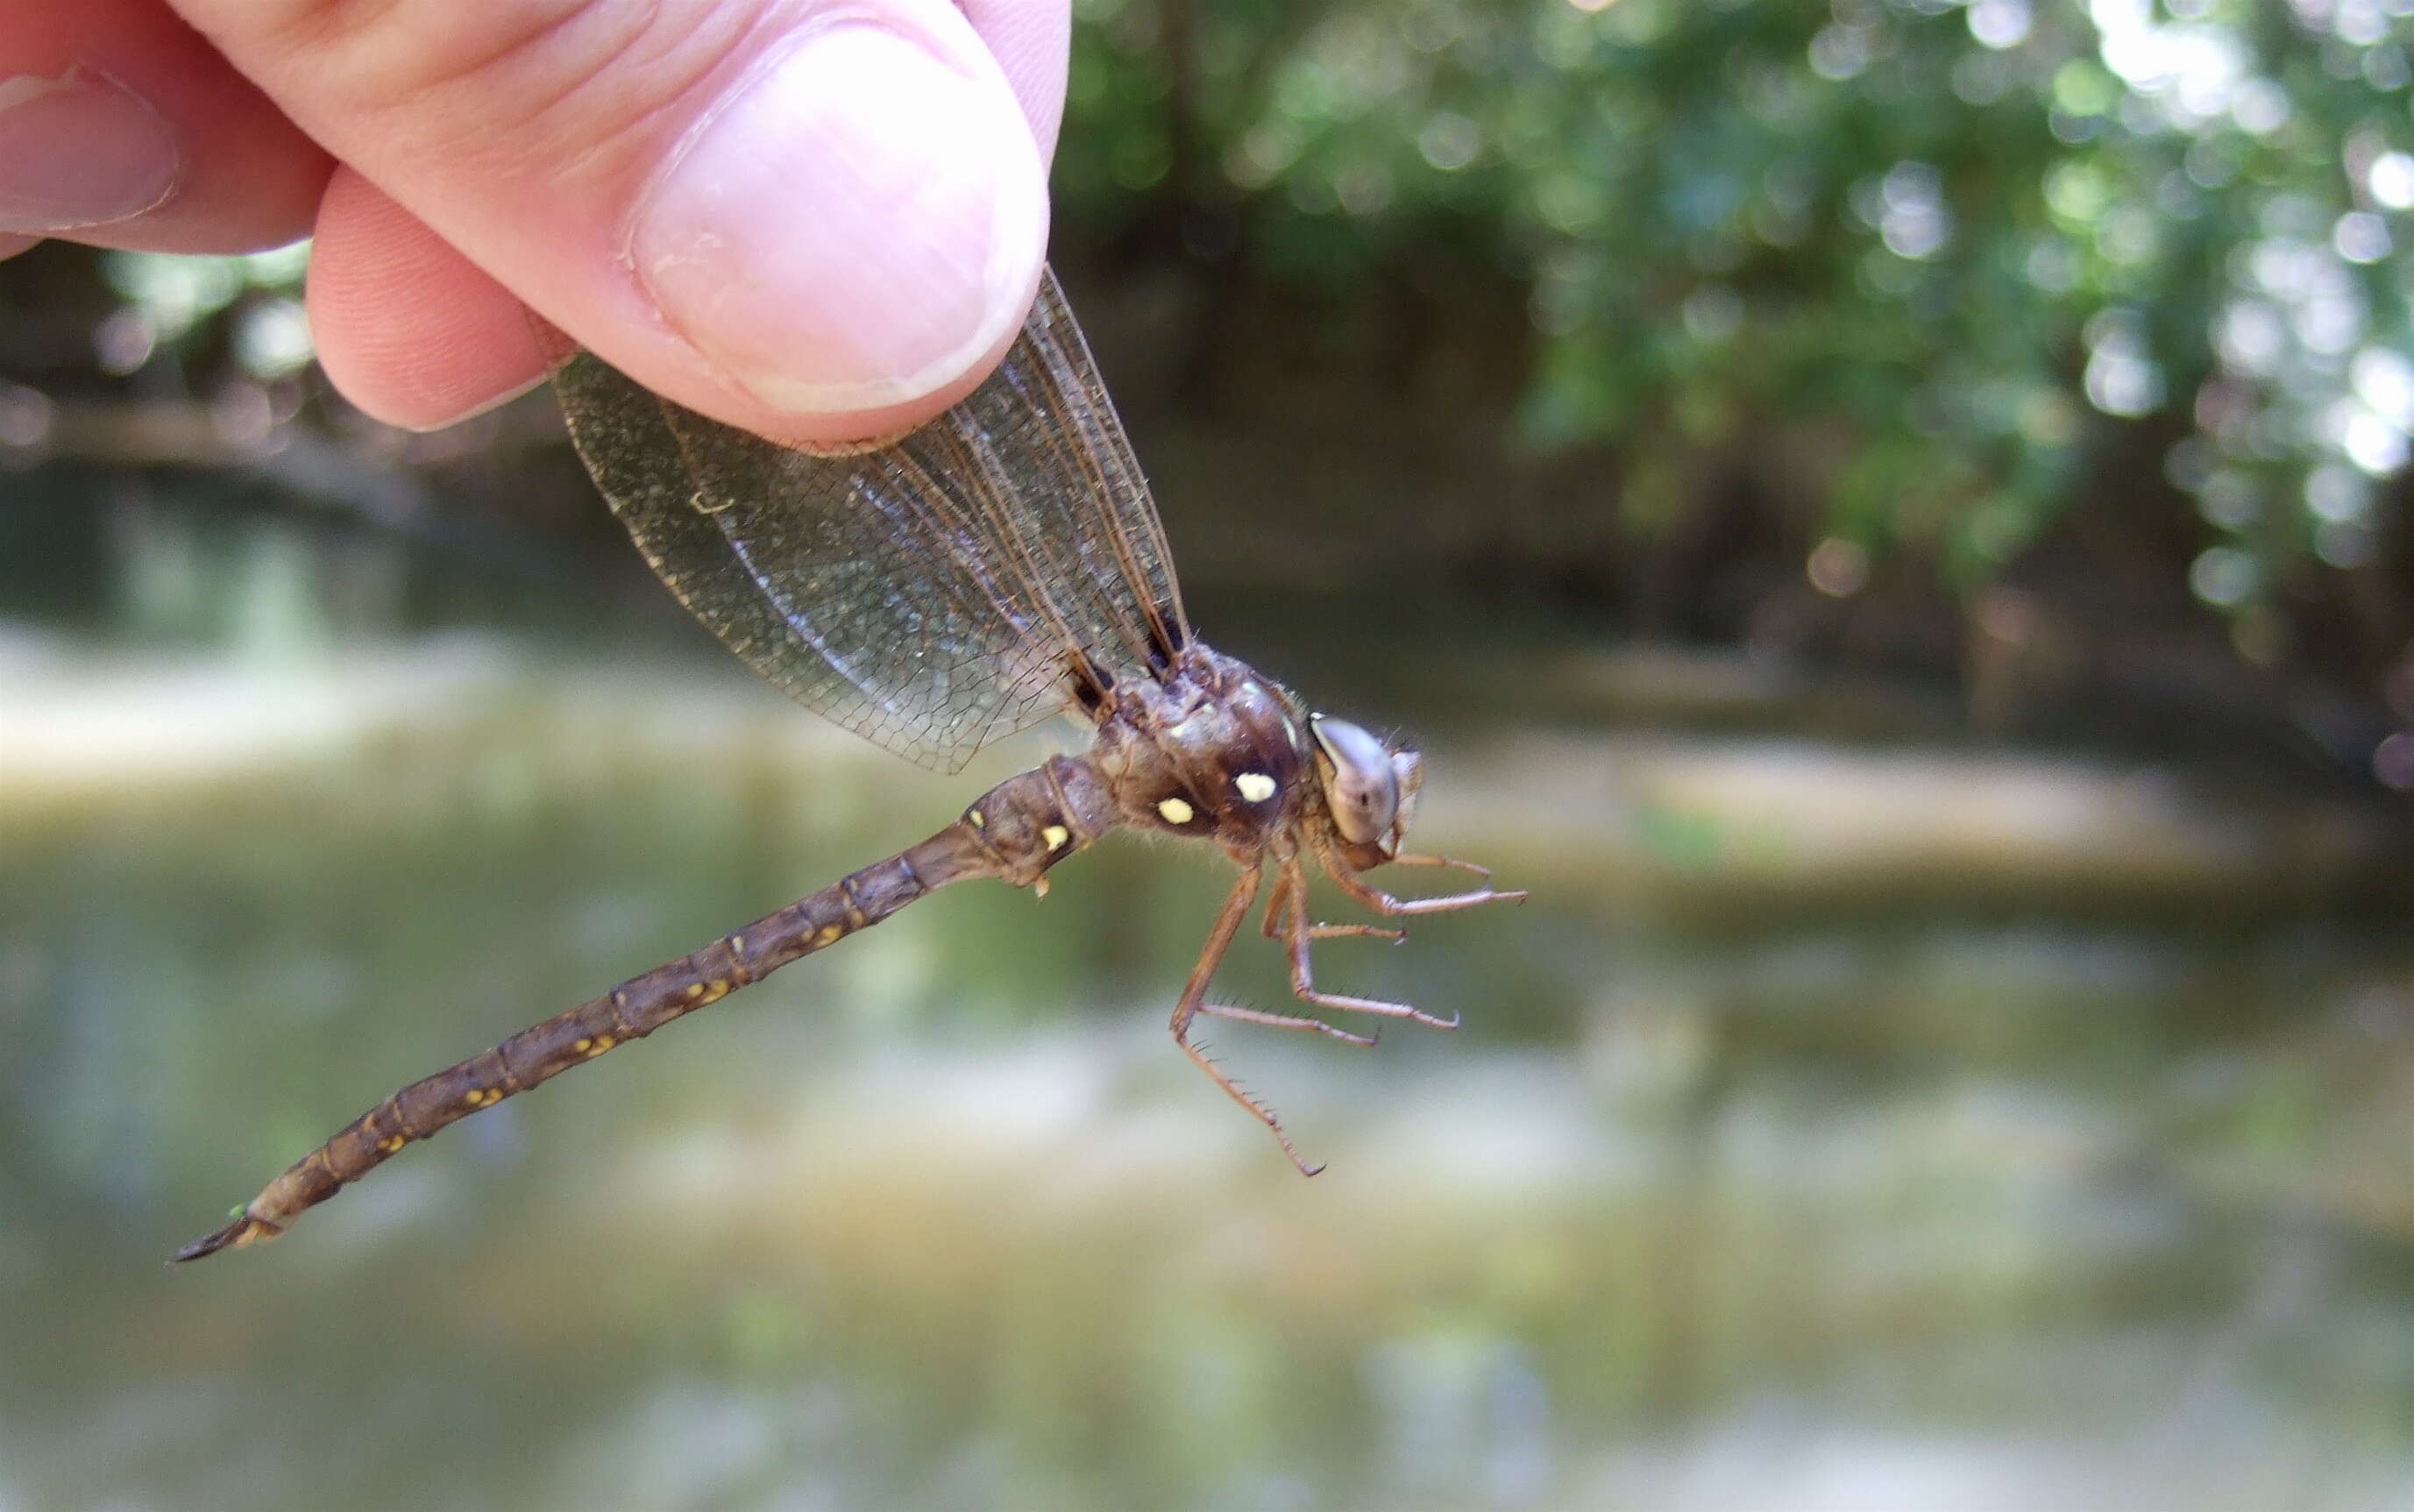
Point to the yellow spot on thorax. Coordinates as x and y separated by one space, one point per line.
1056 835
1176 811
977 817
1255 786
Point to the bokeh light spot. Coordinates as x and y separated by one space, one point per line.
1837 568
2393 761
2223 577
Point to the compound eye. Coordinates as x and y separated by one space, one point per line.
1361 787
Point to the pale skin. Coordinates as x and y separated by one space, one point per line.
818 219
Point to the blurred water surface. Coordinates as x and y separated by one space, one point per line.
1843 1124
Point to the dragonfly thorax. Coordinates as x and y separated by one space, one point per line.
1212 749
1216 750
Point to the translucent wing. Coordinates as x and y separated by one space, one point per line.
932 595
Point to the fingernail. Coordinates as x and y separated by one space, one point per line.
854 228
79 150
486 406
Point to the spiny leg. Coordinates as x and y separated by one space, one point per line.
1302 979
1291 892
1258 1016
1451 862
1355 932
1278 907
1194 1000
1383 902
1283 906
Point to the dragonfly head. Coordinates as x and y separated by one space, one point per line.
1370 790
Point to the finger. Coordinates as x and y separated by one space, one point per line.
408 329
1031 40
120 127
415 336
818 220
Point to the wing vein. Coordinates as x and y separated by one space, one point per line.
932 595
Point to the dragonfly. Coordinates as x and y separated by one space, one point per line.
934 594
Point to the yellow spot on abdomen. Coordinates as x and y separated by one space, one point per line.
582 1046
477 1097
601 1044
830 935
1176 811
1056 835
392 1143
1255 786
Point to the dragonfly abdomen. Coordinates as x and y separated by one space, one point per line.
1016 832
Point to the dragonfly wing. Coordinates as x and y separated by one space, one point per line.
932 595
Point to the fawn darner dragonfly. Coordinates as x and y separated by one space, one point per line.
1000 564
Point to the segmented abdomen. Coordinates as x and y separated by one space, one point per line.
1017 831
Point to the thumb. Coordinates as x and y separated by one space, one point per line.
815 220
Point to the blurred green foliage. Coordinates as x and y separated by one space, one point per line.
1938 259
1967 244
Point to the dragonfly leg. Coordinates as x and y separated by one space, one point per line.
1258 1016
1283 910
1278 907
1194 1000
1355 932
1303 976
1383 902
1290 893
1453 861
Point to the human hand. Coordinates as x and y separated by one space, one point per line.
819 219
